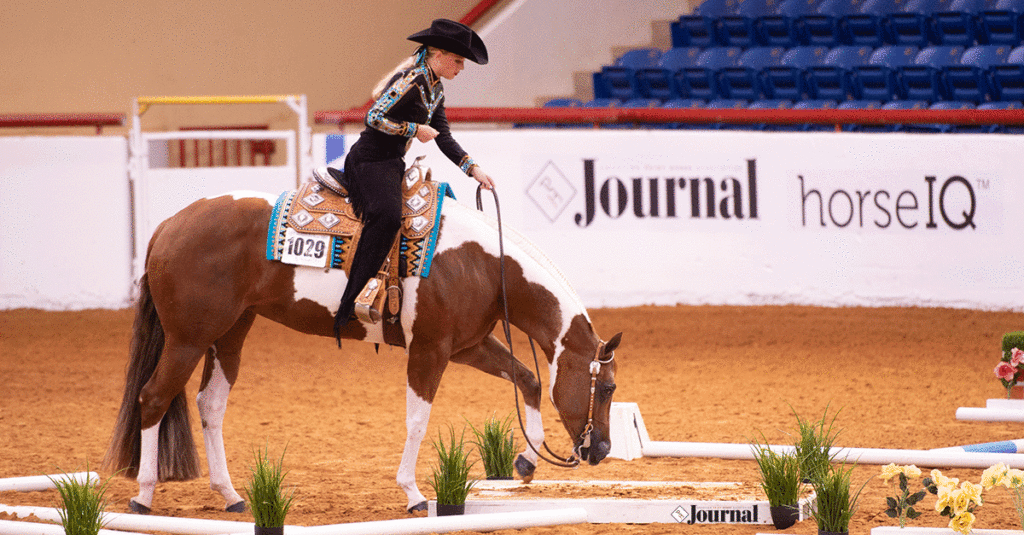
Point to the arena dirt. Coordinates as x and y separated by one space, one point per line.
710 374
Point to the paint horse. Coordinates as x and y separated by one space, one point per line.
207 278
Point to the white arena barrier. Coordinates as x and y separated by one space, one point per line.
36 483
995 410
896 530
634 433
14 527
445 524
122 521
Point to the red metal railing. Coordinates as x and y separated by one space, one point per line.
700 116
239 148
97 120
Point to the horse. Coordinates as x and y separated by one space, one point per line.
206 279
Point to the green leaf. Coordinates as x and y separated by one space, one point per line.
912 514
892 513
893 504
915 497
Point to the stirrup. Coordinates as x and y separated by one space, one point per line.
331 179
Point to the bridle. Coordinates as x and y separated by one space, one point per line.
573 460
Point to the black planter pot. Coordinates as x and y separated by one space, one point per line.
447 509
260 530
784 516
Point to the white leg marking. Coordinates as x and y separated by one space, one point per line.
534 434
213 403
148 461
417 413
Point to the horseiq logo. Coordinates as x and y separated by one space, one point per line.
692 514
625 195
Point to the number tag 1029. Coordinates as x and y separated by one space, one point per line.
305 249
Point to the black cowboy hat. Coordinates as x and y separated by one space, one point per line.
454 37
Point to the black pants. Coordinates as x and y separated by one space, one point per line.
376 192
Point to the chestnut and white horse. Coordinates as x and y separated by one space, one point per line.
207 278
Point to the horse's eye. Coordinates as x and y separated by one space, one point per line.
607 390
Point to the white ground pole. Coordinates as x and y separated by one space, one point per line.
445 524
629 426
14 527
36 483
995 410
133 522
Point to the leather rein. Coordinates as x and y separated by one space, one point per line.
573 460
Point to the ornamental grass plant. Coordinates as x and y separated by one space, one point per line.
835 504
82 504
450 477
780 475
497 447
267 502
814 445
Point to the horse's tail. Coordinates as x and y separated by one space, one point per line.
178 458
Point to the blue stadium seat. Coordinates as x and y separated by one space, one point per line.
989 128
602 103
699 81
779 28
786 80
922 79
832 79
894 105
1007 79
857 105
721 104
938 128
912 24
767 104
969 81
694 30
1000 25
738 29
677 103
822 27
619 80
809 104
877 79
716 8
865 27
563 103
956 23
658 82
743 81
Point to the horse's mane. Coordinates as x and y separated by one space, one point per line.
517 239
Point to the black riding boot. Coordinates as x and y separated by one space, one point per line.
378 196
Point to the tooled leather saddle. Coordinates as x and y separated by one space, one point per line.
316 226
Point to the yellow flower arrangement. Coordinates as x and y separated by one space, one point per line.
901 506
1011 478
957 502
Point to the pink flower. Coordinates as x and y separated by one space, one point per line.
1005 371
1016 357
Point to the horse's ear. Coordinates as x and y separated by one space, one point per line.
610 345
427 179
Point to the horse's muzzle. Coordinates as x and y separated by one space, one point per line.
600 446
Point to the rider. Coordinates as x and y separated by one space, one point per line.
408 103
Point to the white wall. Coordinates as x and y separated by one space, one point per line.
65 227
540 44
841 219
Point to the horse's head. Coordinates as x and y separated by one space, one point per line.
582 393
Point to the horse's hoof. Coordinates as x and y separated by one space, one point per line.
137 507
236 507
418 508
525 469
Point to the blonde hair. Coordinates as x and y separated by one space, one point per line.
406 64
